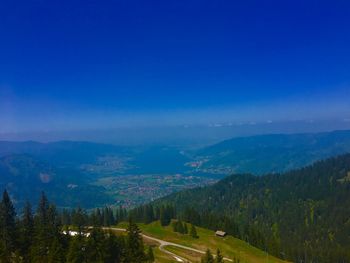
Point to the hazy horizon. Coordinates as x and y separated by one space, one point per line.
188 136
136 72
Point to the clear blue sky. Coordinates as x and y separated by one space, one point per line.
89 64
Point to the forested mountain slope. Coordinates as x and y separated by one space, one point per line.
272 153
303 215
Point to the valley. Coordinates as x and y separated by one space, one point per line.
129 176
132 190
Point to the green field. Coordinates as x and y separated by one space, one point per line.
230 247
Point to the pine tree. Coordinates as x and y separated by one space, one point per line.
56 252
76 251
208 257
65 217
99 217
150 255
106 217
180 227
219 258
95 250
46 230
150 214
111 216
135 243
163 217
54 224
193 231
8 230
41 242
185 228
113 248
174 225
79 220
26 231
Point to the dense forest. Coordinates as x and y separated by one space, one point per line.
45 237
302 215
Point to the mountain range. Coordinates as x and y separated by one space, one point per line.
272 153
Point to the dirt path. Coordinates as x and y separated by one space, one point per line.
163 243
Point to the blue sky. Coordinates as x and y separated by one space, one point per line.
68 65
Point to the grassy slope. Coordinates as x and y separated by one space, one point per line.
161 257
230 247
189 255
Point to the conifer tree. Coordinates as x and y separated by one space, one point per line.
185 228
79 220
174 225
26 231
76 251
219 258
99 217
135 243
114 247
163 217
42 238
106 217
47 229
193 231
66 217
56 252
8 230
150 255
208 257
180 227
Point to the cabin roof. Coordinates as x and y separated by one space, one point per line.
220 233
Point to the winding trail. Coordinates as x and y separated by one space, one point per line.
163 244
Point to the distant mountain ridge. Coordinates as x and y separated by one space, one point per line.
272 153
61 153
258 154
74 154
26 177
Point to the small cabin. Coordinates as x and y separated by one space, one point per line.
220 233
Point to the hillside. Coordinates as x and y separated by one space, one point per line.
25 177
229 246
271 153
301 215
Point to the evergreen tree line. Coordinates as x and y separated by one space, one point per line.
97 217
181 227
208 257
42 237
149 213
